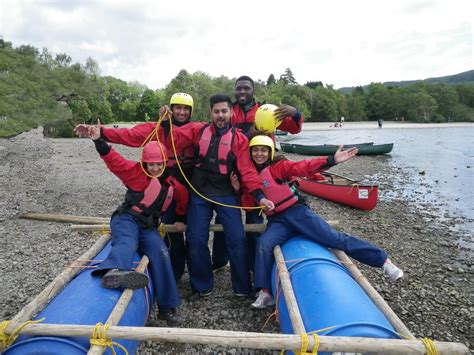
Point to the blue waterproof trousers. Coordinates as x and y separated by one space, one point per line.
219 251
175 243
199 216
129 237
300 220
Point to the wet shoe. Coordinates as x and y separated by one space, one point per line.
394 273
115 278
170 315
198 295
263 300
218 266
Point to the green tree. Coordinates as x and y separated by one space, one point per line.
148 105
288 77
271 80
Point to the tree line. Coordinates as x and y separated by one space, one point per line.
39 88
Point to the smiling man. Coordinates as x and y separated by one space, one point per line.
245 107
222 152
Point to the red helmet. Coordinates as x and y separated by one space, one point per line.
154 152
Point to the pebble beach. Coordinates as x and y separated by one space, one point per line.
66 176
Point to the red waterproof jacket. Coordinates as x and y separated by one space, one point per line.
191 135
244 121
284 170
133 177
135 136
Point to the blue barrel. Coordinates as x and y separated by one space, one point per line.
84 302
327 295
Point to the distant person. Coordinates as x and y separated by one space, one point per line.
291 216
134 224
342 120
380 122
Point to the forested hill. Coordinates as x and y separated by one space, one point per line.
39 88
466 77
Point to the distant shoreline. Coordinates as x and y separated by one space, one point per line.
320 126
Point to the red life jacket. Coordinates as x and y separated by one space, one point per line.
281 193
215 153
150 204
186 158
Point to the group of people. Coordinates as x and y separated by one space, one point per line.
226 165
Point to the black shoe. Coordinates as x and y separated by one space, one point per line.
218 266
198 295
170 315
115 278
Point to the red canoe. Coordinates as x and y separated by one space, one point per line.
340 189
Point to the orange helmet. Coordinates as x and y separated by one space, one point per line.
154 152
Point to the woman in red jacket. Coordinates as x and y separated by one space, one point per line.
134 224
292 216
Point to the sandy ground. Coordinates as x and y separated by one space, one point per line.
66 176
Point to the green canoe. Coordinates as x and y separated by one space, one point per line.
364 149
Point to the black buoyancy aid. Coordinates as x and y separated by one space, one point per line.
215 151
281 193
150 204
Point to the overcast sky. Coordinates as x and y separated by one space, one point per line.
338 42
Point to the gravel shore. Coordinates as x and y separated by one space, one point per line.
66 176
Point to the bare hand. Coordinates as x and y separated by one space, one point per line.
234 181
344 155
180 227
94 131
285 111
269 205
165 112
82 130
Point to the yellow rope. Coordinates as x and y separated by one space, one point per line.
8 340
304 344
316 343
99 338
430 346
162 230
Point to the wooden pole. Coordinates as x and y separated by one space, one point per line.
119 309
249 340
290 299
374 295
65 218
101 221
37 304
169 228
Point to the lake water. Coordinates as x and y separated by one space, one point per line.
444 156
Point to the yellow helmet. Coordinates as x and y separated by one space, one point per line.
265 141
181 98
265 119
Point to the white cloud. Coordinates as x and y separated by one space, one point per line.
340 42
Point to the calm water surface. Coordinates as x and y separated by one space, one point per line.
444 156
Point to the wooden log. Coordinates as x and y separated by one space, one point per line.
37 304
250 340
290 299
65 218
119 309
100 221
169 228
374 295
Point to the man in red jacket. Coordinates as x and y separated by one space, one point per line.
222 150
243 117
181 112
